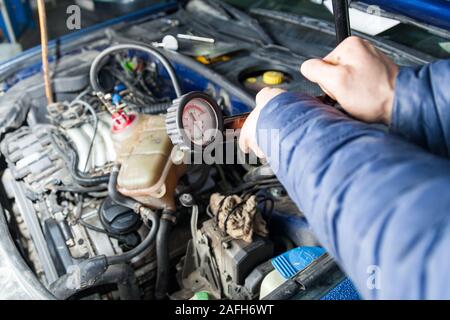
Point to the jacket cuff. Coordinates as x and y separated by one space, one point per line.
406 112
415 114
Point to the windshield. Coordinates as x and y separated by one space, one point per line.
404 34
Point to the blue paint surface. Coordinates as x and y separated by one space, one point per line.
140 14
433 12
20 15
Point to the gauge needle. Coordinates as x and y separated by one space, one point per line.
194 115
197 124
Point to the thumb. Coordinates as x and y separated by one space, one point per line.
316 70
323 73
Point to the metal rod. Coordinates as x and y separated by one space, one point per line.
341 20
195 38
44 48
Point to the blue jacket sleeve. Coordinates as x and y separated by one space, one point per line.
375 201
421 111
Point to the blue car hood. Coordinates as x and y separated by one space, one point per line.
432 12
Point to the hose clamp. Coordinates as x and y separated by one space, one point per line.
169 217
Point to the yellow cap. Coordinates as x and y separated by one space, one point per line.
273 78
251 80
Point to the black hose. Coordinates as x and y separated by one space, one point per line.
95 272
138 208
84 179
144 245
163 257
80 178
157 108
97 64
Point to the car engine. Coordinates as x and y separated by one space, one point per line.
99 200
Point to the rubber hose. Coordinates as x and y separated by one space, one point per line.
80 178
94 272
144 245
83 179
96 64
155 108
136 207
163 258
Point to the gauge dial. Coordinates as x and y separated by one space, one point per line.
194 120
200 122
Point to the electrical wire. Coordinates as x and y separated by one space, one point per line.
98 63
97 229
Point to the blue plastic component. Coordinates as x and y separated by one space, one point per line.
433 12
116 98
290 263
119 87
343 291
293 261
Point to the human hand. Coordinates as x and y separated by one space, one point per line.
358 76
247 139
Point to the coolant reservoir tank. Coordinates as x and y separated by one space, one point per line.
147 173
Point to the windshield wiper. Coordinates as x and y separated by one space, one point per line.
329 28
245 20
229 13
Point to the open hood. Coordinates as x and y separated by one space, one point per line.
432 12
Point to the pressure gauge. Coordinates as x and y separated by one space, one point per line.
194 121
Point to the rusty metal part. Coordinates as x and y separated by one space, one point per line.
44 49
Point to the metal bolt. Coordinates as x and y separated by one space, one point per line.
186 200
277 192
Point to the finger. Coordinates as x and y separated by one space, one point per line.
316 70
328 93
266 94
326 75
259 153
243 143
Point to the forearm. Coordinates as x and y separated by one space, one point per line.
421 111
367 195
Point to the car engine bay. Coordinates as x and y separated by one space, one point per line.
100 201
